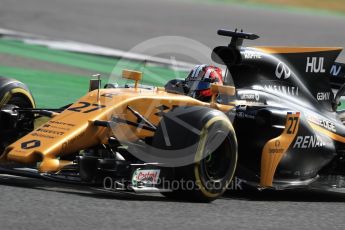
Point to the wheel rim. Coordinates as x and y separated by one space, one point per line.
216 165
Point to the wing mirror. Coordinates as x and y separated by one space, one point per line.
95 83
132 75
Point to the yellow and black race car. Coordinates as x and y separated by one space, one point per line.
274 124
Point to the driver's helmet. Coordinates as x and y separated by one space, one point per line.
199 81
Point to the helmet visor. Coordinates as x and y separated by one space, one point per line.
198 85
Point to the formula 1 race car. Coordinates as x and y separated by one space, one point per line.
274 124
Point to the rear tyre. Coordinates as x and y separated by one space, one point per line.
208 177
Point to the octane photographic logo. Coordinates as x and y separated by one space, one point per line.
152 107
185 185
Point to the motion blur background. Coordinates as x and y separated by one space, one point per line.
124 24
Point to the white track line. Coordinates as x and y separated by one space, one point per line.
91 49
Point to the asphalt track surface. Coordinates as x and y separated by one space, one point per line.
35 204
124 24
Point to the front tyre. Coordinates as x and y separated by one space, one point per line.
215 155
213 172
14 94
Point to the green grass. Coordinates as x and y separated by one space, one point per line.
53 89
94 63
49 89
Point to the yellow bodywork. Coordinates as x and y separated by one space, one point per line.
275 149
73 129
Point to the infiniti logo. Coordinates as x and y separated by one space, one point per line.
282 71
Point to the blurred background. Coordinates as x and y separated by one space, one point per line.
330 5
122 25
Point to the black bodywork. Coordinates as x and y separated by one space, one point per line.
272 82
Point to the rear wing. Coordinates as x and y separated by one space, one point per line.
337 74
